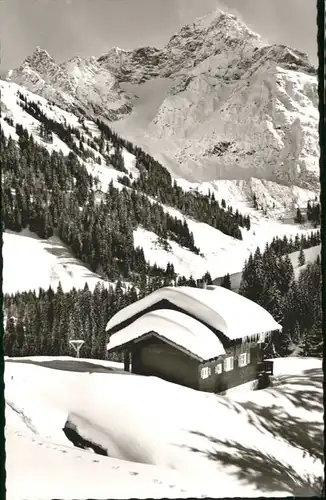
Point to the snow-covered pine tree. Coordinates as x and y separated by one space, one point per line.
301 258
226 282
285 275
272 301
253 279
299 219
314 341
207 278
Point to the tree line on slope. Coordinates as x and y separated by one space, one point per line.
49 192
72 136
312 211
312 214
284 246
154 179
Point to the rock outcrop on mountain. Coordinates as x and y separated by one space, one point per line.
78 85
219 102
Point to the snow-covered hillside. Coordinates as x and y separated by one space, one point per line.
31 263
162 440
219 253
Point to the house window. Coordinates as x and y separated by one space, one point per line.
205 372
244 359
218 368
228 364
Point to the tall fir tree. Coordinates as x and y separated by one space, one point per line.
226 282
301 258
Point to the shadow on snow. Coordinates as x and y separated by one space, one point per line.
71 365
264 470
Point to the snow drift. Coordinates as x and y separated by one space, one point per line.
261 443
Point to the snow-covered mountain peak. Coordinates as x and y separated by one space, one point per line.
39 72
218 35
206 36
38 67
136 65
289 58
40 57
219 23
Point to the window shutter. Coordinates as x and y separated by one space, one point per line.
205 372
228 363
218 368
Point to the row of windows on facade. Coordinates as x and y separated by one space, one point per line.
227 365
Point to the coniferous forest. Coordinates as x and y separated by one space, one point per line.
50 192
269 279
42 323
154 179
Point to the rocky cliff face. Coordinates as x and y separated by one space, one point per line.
78 84
233 108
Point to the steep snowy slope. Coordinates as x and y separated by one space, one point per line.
219 253
11 108
31 263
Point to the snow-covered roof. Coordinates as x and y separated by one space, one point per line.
174 326
230 313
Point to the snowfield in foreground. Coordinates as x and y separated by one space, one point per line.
163 440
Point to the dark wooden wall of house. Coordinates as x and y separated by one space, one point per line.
155 357
226 380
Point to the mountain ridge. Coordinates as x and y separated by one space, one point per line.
192 45
215 103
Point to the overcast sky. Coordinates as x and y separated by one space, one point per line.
66 28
